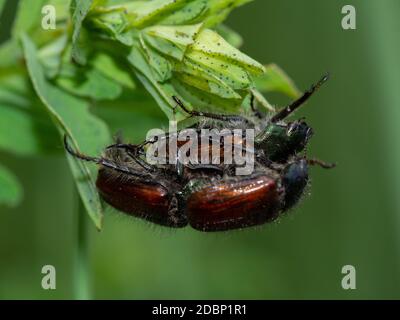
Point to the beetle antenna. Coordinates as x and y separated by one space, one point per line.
78 154
283 113
321 163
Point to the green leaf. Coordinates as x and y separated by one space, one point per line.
220 9
194 75
275 79
113 25
113 70
10 52
51 55
166 47
163 92
10 189
145 75
33 135
146 12
180 35
132 114
231 36
186 15
91 84
203 101
161 67
21 112
261 99
172 51
212 44
79 9
141 14
71 116
61 7
231 74
29 16
2 3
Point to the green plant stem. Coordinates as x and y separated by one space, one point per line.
81 276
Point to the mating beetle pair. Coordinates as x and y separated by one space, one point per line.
211 198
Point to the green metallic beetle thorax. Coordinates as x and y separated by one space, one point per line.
279 142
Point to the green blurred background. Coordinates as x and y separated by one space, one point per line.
351 216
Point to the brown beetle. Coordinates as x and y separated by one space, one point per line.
125 185
233 203
207 201
209 197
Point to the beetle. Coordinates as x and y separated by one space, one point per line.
212 204
129 187
206 202
210 198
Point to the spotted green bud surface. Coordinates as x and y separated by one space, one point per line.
175 47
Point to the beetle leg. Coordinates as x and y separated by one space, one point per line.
194 113
143 164
255 111
205 167
321 163
174 213
283 113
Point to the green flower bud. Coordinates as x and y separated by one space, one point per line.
174 51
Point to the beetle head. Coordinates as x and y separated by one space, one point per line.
280 141
298 134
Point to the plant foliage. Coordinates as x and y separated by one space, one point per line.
126 54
